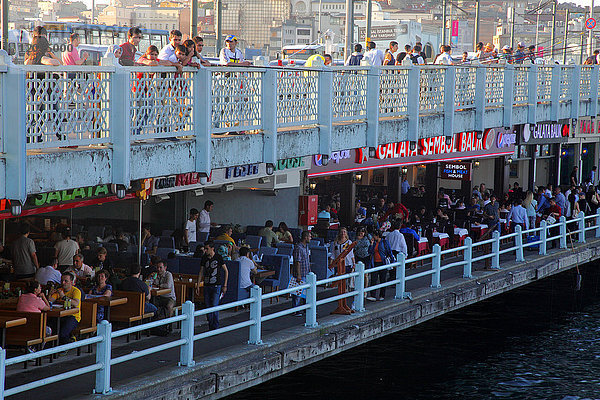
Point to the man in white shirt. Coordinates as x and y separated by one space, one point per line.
66 249
445 58
373 55
396 240
190 227
168 52
247 267
49 273
232 56
81 270
204 223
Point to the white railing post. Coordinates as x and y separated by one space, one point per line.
563 232
519 244
543 235
120 125
203 119
401 276
103 355
436 265
581 221
496 250
311 300
2 372
598 225
468 257
256 315
359 285
325 110
14 131
186 351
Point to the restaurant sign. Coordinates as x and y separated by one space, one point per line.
456 171
544 133
493 142
587 126
44 199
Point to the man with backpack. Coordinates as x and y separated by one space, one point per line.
356 57
415 56
389 58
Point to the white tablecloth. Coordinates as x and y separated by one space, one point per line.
461 232
482 226
423 240
441 235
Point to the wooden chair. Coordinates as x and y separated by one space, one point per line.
30 334
49 338
87 325
130 312
180 298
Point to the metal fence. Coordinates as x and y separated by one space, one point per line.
513 243
76 106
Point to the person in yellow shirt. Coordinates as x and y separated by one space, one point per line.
226 235
67 291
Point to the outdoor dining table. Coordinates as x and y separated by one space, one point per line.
58 311
7 321
107 303
260 275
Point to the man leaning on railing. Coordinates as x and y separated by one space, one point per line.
231 56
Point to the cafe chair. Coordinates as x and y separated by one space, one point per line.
166 242
164 252
201 237
267 251
189 265
286 249
87 325
319 262
281 265
253 241
234 292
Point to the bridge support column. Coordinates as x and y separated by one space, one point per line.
203 120
563 232
543 236
519 244
325 113
480 78
373 84
532 94
269 115
14 131
594 91
575 87
120 125
436 265
468 256
413 105
555 92
256 315
508 95
449 89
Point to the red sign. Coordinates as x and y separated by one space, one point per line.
590 23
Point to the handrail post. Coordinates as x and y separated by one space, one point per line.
563 232
468 256
14 131
203 119
256 315
519 244
436 265
598 225
269 115
359 284
373 88
103 355
401 276
325 110
311 300
2 372
543 235
496 250
581 220
186 351
120 125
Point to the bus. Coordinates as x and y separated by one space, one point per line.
302 52
59 32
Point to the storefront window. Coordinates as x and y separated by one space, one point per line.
521 152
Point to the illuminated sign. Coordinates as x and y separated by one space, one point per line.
289 163
544 133
241 171
180 182
455 171
336 157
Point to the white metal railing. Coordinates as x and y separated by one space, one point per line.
103 339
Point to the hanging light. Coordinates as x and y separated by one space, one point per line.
312 185
508 161
358 177
412 146
372 152
479 135
476 164
404 170
270 168
448 140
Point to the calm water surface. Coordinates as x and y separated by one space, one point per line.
538 342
